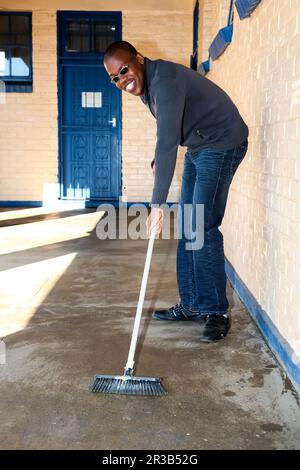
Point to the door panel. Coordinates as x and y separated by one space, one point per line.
90 111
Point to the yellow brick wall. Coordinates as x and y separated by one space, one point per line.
219 10
28 121
204 30
156 35
261 72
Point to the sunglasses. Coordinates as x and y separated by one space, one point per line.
123 71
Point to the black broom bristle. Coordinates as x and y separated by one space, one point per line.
127 385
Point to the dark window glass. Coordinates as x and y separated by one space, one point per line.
4 30
20 30
15 47
78 36
104 35
20 62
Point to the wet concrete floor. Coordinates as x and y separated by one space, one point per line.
67 307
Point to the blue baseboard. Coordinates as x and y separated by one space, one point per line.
21 203
88 204
91 204
117 203
279 346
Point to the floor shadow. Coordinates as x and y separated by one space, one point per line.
41 217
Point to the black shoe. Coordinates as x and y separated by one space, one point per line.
216 328
175 313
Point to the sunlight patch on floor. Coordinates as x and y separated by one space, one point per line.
36 234
23 289
36 211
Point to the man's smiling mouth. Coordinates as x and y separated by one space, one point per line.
130 86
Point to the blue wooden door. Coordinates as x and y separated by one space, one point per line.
90 108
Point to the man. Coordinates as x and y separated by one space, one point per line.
194 112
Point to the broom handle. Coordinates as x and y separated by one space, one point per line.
138 315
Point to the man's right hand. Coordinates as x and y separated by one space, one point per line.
155 220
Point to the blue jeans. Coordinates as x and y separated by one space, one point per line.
201 274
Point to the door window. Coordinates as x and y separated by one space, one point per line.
90 36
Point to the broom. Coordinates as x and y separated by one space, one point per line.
127 384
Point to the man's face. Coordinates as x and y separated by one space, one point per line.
133 80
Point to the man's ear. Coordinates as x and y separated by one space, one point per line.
140 58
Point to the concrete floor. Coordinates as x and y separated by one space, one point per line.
67 306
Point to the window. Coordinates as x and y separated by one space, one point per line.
15 51
88 36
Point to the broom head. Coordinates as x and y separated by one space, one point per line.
127 385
